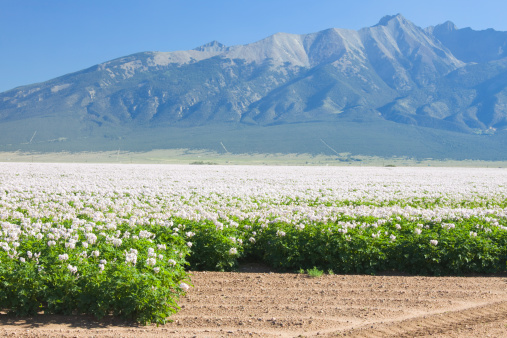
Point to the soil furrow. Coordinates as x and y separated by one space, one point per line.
436 324
258 304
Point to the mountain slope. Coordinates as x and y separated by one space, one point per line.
404 55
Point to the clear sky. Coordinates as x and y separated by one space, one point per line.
43 39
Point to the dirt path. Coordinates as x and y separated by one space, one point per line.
289 305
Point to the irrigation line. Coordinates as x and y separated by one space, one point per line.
33 136
327 145
224 147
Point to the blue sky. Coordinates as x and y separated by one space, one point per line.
43 39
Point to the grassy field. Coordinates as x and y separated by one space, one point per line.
204 157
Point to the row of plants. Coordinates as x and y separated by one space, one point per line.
138 272
138 276
470 246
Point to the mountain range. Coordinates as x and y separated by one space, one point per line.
393 89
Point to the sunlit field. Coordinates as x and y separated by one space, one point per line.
120 239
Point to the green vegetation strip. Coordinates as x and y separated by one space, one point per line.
67 278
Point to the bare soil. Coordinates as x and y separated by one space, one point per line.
265 304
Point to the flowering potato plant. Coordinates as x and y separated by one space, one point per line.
119 239
91 268
360 247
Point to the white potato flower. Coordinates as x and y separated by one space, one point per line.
71 268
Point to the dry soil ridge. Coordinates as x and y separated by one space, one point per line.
443 323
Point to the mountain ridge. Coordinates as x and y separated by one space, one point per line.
392 72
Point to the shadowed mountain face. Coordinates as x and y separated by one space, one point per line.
469 45
439 78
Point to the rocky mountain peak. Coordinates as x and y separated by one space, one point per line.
213 46
392 19
445 27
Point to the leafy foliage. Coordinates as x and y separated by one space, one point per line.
315 273
73 280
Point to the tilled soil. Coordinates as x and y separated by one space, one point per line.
260 304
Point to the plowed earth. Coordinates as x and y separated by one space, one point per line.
262 304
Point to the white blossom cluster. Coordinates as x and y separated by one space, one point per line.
96 198
105 192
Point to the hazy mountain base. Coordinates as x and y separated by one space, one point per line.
375 139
